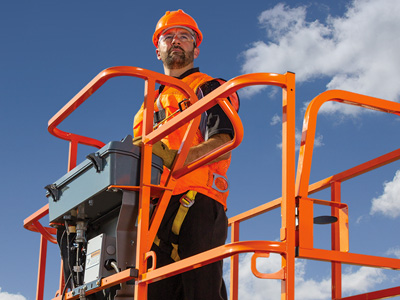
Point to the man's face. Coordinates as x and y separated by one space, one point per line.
176 48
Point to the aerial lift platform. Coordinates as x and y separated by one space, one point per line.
113 225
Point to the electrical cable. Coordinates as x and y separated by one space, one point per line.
65 287
115 266
68 256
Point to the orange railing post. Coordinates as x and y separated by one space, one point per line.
288 205
336 245
42 268
234 282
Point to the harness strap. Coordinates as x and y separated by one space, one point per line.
186 201
160 117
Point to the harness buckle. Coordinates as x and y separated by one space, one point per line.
160 118
188 199
185 103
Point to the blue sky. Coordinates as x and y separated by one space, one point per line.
51 49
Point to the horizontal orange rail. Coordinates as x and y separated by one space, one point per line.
382 294
211 256
93 86
32 223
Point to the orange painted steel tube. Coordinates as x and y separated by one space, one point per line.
32 223
288 204
41 268
40 213
256 211
107 282
143 244
381 294
336 243
306 223
187 264
91 88
309 127
234 282
350 258
211 256
356 171
237 139
45 233
305 227
277 275
340 245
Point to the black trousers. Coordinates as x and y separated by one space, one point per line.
205 227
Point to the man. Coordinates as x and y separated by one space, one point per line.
177 38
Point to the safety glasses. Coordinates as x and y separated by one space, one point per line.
184 37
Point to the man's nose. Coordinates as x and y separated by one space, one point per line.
176 40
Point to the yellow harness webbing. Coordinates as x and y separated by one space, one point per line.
187 201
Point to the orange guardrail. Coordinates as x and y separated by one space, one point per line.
340 232
296 240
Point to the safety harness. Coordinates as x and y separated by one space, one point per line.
186 202
160 115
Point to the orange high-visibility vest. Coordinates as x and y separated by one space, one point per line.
209 180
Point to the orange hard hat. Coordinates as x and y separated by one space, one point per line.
176 19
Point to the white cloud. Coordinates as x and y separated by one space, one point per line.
394 251
7 296
388 203
362 280
318 141
362 219
276 120
251 288
357 51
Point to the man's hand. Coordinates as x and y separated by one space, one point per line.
168 156
160 149
137 141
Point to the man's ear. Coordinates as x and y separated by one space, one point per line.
158 54
196 52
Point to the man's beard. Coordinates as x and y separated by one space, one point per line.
177 60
